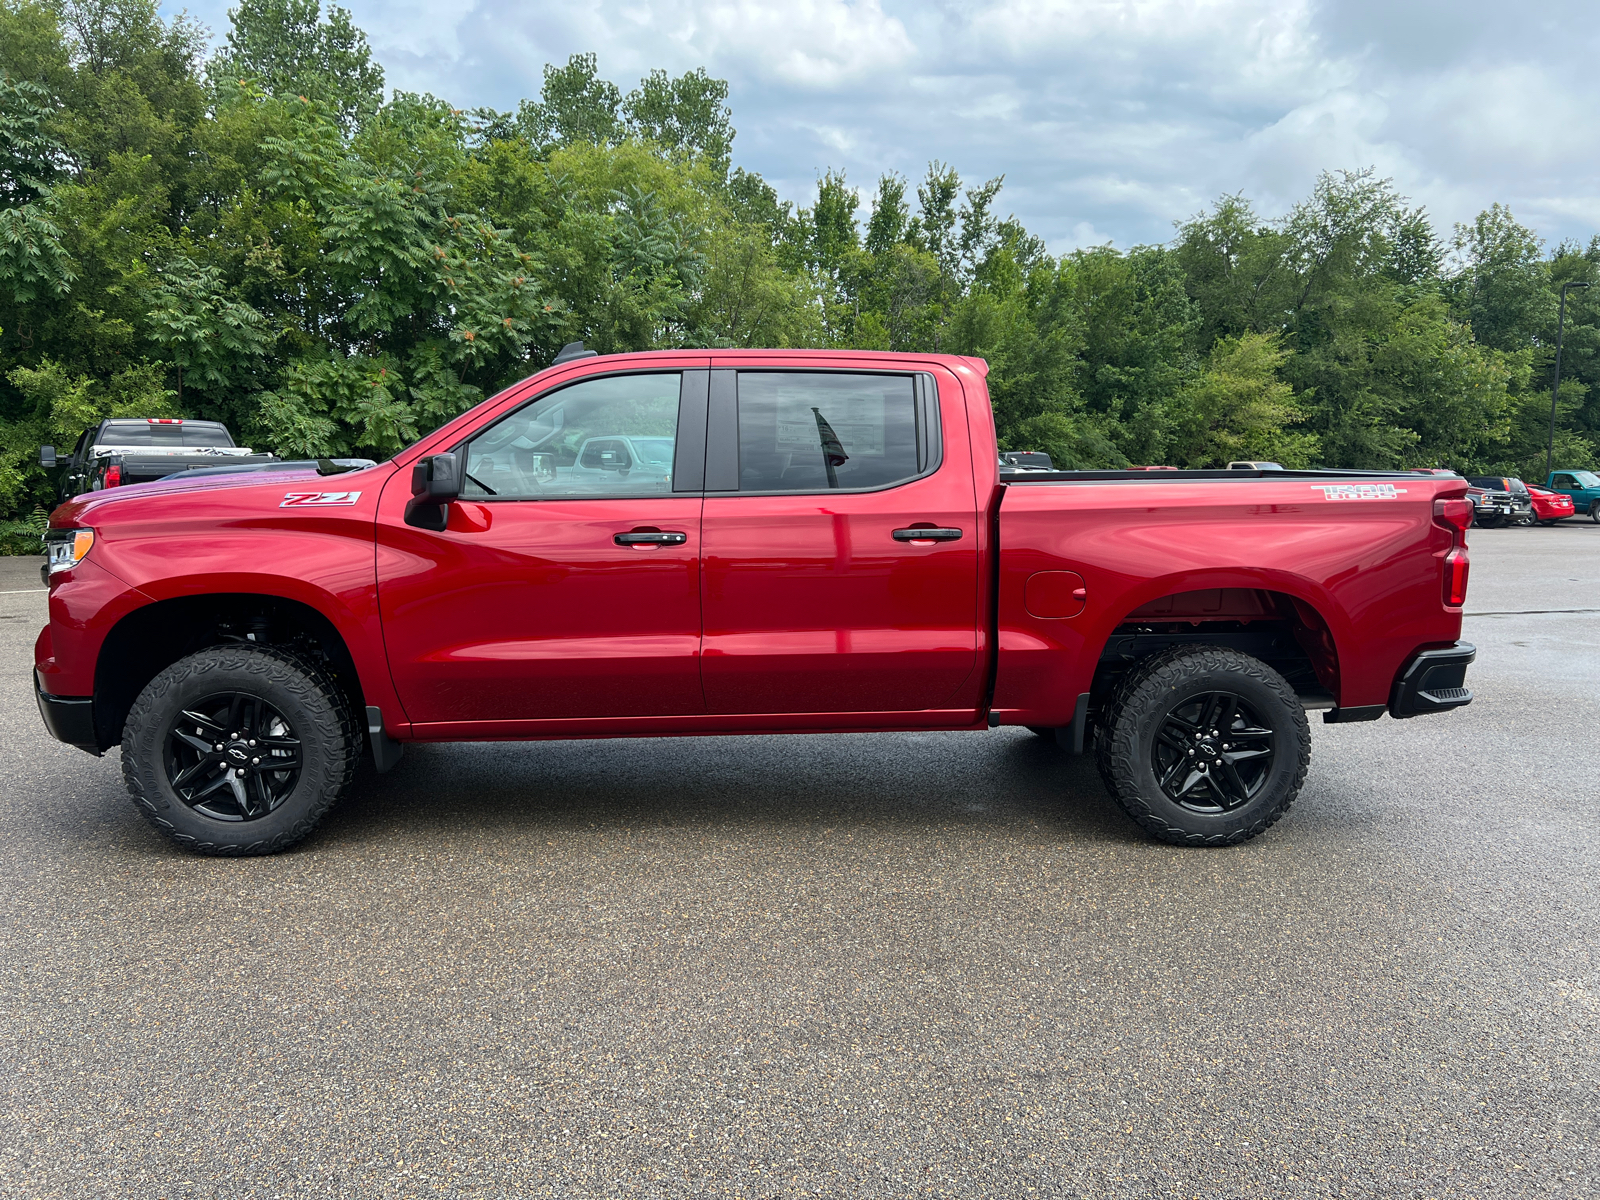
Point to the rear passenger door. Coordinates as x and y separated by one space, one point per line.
819 597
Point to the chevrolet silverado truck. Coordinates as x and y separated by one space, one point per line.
833 549
121 451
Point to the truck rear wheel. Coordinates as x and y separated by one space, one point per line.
238 750
1204 746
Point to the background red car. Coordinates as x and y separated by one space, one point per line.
1549 507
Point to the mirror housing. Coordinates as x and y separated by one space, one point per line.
47 456
435 482
437 478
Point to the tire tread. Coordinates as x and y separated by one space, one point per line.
1117 748
298 673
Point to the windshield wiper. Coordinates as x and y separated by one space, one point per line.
481 484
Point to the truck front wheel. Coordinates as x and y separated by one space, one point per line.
239 749
1204 746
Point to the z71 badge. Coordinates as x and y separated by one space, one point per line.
1360 491
317 499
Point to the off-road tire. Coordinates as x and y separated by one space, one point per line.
296 686
1159 685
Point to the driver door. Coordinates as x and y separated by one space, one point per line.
566 583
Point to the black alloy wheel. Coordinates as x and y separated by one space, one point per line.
239 749
1203 745
232 757
1213 753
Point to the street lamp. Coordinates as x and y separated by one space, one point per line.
1555 388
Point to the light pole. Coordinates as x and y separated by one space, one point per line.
1555 388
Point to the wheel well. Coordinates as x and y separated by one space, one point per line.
1281 630
150 639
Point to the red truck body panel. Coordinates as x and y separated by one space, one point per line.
792 612
1369 569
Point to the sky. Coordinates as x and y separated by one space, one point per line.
1110 119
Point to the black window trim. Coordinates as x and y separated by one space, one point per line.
690 419
722 433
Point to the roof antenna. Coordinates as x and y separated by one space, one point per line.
571 351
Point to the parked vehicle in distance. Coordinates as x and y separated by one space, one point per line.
1581 487
1493 506
1514 491
1489 508
1025 460
121 451
1255 466
1549 507
833 550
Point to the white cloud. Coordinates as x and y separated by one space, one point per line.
1109 118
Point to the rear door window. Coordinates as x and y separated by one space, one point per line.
826 431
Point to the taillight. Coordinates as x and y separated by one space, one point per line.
1457 514
113 475
1455 577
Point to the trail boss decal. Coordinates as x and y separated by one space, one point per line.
1360 491
317 499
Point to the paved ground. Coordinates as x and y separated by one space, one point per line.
857 966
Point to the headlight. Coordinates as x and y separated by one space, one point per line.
65 548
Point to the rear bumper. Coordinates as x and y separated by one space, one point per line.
1433 681
69 719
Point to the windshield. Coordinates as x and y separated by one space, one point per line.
1586 479
142 433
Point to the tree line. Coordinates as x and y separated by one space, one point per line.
264 235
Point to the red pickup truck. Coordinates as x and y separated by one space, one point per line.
709 542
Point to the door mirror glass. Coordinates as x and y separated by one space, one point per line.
47 456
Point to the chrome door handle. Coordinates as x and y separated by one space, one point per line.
926 535
651 537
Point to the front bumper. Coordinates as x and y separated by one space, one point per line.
69 719
1500 512
1433 681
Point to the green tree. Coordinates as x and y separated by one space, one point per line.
688 115
289 48
1240 408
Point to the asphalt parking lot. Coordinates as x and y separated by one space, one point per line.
871 965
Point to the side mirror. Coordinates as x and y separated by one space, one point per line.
47 456
536 466
435 482
437 477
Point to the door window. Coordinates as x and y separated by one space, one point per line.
611 437
1566 482
824 431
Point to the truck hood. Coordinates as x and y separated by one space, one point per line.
95 507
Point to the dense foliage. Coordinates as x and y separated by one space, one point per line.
265 236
